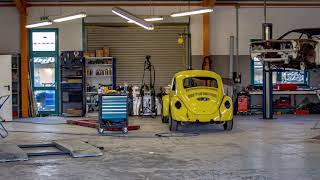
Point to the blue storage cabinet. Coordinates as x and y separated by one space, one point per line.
113 112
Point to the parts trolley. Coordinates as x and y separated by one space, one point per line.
113 112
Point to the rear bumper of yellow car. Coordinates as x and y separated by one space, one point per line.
221 115
203 118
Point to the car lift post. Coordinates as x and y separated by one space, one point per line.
267 77
267 91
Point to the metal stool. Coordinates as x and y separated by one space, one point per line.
3 132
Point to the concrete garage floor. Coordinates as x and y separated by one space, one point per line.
255 150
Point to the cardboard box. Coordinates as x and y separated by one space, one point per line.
106 52
74 111
92 54
77 81
99 53
109 61
86 54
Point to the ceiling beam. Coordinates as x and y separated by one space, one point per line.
107 5
21 6
269 4
205 27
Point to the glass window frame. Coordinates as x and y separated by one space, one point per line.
278 76
209 79
54 46
54 54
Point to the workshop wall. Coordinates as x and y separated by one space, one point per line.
9 31
70 33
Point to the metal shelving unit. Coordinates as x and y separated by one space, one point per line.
100 71
72 91
15 67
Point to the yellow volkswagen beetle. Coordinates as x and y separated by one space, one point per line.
197 96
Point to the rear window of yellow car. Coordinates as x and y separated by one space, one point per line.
193 82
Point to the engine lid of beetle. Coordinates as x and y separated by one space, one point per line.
202 100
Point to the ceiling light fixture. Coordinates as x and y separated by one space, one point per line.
151 19
71 17
44 23
130 17
154 19
193 12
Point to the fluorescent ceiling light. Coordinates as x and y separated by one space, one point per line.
45 23
151 19
71 17
189 13
154 19
130 17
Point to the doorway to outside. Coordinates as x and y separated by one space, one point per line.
44 69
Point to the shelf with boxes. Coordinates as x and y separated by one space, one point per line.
72 72
100 74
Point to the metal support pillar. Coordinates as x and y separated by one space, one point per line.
267 75
267 71
267 91
189 47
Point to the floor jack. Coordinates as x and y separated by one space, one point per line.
148 101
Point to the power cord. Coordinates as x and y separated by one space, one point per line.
157 135
27 122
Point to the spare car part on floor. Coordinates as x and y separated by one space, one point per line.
148 100
197 96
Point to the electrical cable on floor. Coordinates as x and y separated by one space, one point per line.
157 135
27 122
176 134
316 125
50 132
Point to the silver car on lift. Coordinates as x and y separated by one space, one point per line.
298 49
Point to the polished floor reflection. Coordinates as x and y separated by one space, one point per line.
257 149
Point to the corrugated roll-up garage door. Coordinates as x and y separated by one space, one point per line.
130 45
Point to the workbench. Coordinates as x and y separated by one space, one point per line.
291 94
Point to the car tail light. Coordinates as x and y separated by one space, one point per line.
227 104
178 104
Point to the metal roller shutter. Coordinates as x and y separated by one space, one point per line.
130 46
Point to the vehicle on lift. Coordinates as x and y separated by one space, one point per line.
197 96
298 49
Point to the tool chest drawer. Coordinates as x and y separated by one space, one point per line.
113 107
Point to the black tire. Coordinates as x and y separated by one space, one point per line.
164 119
228 125
173 124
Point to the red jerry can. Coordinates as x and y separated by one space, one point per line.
243 104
